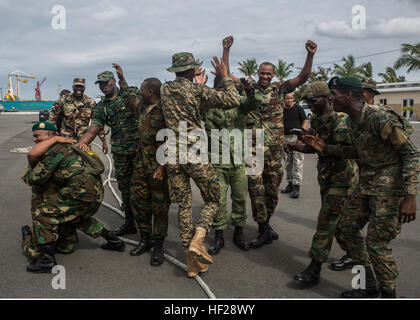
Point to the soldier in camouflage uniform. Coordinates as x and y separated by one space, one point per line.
230 174
73 112
67 192
268 115
337 178
386 194
149 184
111 111
369 91
183 103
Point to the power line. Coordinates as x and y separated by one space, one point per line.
369 55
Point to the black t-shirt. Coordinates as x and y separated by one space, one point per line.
293 118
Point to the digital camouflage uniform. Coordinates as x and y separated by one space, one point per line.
293 162
337 179
124 140
183 100
75 115
64 198
263 188
149 196
230 174
389 171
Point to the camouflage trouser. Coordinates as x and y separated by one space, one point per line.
180 192
56 218
381 212
326 229
149 197
263 188
293 163
235 177
124 165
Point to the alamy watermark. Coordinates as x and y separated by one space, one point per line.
58 282
58 21
359 19
359 280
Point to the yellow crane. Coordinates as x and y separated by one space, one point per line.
20 77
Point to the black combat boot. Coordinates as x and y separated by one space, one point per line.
158 254
265 237
310 276
344 263
388 293
128 227
112 241
218 243
295 192
145 244
239 239
274 234
288 188
26 233
46 261
371 290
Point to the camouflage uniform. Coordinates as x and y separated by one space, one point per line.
337 179
149 196
263 188
293 162
183 100
389 171
64 198
230 174
124 140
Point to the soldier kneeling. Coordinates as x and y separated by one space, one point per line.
67 191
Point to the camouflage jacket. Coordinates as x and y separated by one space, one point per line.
150 122
229 119
390 162
123 123
335 175
64 168
268 114
183 100
75 115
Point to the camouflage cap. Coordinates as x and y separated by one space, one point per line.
316 89
79 82
105 76
183 61
370 84
44 126
344 82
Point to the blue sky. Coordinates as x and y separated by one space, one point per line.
142 36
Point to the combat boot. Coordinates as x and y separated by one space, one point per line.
310 276
239 239
26 233
46 261
265 237
274 234
371 290
129 227
218 244
194 267
112 241
295 192
144 245
158 254
388 293
288 188
197 248
344 263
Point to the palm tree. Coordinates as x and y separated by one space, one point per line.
249 67
283 70
411 57
366 71
321 74
390 75
349 68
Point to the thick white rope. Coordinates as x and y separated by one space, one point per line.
171 259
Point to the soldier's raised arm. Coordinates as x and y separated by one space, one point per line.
306 70
56 112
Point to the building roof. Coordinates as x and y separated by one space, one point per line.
398 86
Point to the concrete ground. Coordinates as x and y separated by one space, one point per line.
94 273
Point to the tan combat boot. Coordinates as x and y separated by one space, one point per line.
197 248
194 267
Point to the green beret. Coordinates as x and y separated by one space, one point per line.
105 76
344 82
44 126
316 89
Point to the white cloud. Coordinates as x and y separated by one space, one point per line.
109 14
